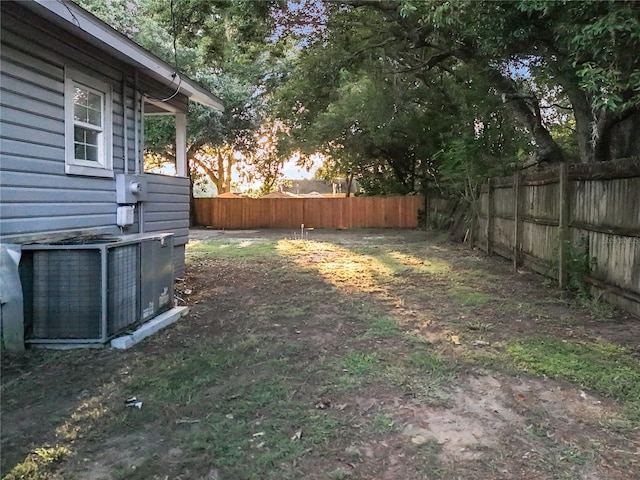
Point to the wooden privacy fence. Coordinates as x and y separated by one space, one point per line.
554 219
352 212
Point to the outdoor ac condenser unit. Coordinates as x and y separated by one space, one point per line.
90 290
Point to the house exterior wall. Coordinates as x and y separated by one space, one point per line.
38 200
167 210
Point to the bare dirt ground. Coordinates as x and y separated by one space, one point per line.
370 354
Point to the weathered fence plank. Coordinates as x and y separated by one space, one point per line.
352 212
549 218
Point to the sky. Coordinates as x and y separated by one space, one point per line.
293 172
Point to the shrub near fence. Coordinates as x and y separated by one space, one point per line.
568 221
352 212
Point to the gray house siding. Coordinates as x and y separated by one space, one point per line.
37 196
167 210
38 200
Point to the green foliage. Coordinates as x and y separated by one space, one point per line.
376 111
242 250
382 327
399 95
578 265
599 366
601 39
221 45
466 296
360 364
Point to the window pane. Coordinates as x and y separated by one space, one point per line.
80 96
79 152
88 134
80 113
91 137
78 134
84 135
87 106
92 154
94 118
94 101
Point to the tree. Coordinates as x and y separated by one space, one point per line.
592 63
355 97
218 43
395 91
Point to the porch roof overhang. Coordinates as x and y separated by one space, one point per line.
91 29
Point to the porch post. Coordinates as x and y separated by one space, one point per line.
181 144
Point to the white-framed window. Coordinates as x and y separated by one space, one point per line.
88 116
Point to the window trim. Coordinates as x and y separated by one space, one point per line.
104 166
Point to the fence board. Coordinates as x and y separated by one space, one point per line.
597 209
352 212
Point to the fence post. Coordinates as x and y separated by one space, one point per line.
489 225
517 229
563 226
427 209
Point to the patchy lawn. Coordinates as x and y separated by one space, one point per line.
343 355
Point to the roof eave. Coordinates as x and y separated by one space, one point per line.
73 18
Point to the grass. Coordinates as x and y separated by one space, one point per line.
352 371
181 377
250 424
382 423
359 364
382 327
467 296
253 429
261 430
231 249
294 310
602 367
423 375
243 397
39 464
340 473
432 466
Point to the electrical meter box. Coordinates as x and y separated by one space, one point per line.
130 188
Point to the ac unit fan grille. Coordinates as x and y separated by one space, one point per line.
67 294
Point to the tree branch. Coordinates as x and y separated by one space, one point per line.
370 47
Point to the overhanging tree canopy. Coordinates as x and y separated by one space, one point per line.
396 91
550 62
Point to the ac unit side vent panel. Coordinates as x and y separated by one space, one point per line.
123 281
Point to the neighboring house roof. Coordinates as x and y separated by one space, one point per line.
301 187
314 195
281 195
90 28
228 195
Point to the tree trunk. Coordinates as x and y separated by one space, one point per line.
618 136
219 181
349 183
228 172
527 111
582 115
